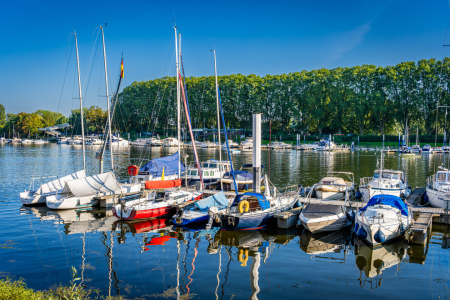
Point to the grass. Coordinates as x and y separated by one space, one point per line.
17 290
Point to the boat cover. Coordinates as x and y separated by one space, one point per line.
168 163
162 184
92 185
390 200
250 166
263 202
58 184
218 200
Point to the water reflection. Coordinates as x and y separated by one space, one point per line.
373 261
321 243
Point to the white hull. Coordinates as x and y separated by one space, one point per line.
325 223
62 201
438 199
330 195
30 198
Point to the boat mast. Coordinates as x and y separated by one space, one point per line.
109 109
81 103
177 54
218 122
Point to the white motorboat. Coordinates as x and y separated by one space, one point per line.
63 140
333 187
427 149
139 143
212 171
415 149
438 150
208 145
155 142
384 218
446 149
325 145
325 217
279 146
26 141
154 204
118 141
39 142
385 182
39 195
247 144
438 189
81 193
231 145
93 142
170 142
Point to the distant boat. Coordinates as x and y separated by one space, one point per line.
427 149
383 219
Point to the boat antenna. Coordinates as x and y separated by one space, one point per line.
177 55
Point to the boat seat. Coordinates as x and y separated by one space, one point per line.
254 203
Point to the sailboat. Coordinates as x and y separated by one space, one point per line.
416 148
162 203
82 193
38 196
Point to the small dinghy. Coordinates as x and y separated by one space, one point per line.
196 212
155 204
384 218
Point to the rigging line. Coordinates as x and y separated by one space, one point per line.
91 65
161 98
69 46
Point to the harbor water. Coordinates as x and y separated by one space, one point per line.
152 259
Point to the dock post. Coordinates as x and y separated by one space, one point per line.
257 153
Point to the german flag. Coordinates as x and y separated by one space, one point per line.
121 69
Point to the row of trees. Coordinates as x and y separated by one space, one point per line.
27 124
363 100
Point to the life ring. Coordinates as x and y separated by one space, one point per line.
133 170
244 206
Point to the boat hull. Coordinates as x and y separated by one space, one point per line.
133 214
369 192
333 223
437 198
30 198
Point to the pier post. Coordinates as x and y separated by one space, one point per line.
257 153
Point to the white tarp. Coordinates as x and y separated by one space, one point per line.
92 185
58 184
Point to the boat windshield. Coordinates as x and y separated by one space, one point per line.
193 172
441 176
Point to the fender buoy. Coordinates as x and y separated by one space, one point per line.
244 206
133 170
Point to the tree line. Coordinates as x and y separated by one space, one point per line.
361 100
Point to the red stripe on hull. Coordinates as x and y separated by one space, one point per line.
148 213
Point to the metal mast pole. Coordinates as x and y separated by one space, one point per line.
109 109
218 122
177 54
81 104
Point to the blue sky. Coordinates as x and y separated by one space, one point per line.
250 37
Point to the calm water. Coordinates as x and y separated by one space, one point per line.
150 259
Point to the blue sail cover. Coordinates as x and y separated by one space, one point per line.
169 163
390 200
219 200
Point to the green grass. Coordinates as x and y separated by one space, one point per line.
17 290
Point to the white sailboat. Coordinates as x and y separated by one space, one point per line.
53 187
438 189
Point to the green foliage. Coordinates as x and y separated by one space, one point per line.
94 119
17 290
361 100
2 116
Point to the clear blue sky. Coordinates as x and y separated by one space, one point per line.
258 37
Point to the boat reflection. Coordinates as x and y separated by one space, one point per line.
373 261
318 244
159 226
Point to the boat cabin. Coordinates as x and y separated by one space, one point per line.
256 202
332 181
389 175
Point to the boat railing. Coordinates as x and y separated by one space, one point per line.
287 191
365 180
35 178
349 175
